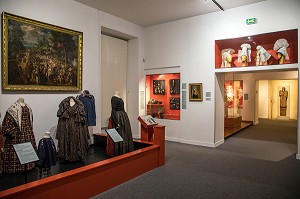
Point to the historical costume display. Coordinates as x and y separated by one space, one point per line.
226 57
244 55
120 121
47 155
72 131
262 56
88 101
17 127
281 47
283 95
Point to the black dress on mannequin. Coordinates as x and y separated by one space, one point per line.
121 123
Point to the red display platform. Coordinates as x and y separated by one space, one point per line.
88 181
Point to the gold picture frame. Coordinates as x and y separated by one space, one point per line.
195 92
40 56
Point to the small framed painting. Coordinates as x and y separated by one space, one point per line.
195 90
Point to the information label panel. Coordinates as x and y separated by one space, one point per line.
148 119
114 135
25 152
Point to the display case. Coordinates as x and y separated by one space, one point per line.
233 103
155 110
163 96
257 50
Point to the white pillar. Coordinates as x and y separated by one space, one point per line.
219 109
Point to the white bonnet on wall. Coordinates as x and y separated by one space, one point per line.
226 57
246 51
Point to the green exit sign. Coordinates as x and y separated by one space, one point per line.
251 21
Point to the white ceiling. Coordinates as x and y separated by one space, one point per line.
152 12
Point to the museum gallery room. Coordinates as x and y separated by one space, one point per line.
149 99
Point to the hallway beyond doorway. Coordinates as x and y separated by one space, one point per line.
271 140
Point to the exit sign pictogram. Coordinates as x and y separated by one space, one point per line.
251 21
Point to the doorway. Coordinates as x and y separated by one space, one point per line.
277 99
262 106
113 73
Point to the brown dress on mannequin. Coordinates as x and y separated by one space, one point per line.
72 131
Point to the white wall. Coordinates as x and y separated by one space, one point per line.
135 65
113 73
76 16
189 43
262 102
68 14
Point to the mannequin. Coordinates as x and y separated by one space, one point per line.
244 60
244 54
262 56
226 57
120 121
72 102
281 47
72 130
88 101
21 101
281 58
86 92
17 127
47 135
117 94
47 155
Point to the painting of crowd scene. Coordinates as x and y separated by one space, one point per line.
41 56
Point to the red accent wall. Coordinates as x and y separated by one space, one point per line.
165 99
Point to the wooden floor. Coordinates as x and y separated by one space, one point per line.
231 131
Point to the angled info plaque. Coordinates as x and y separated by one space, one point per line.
114 135
148 119
25 152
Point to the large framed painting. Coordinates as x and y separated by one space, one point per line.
40 56
159 87
195 90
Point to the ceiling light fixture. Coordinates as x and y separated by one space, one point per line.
218 5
